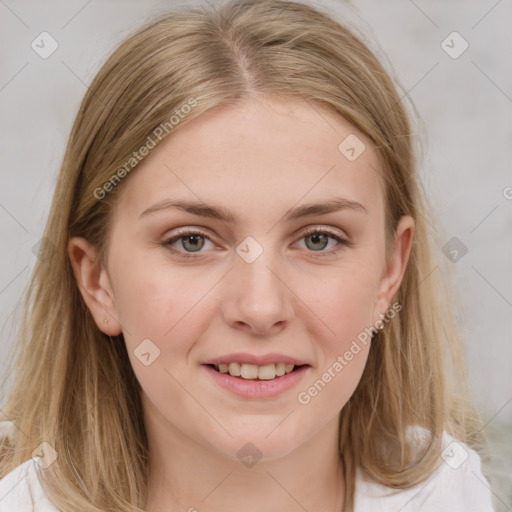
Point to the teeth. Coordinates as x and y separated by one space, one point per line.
249 371
234 369
280 369
252 371
266 372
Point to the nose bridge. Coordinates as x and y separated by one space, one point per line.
256 269
259 296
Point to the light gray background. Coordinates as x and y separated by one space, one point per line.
465 105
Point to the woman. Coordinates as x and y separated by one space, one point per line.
239 254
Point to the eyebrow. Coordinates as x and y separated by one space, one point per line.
222 214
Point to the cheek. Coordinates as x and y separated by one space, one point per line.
164 313
345 311
167 305
340 321
343 301
326 395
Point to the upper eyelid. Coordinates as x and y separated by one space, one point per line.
306 230
183 232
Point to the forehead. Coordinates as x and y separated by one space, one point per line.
261 152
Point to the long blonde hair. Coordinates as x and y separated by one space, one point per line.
74 388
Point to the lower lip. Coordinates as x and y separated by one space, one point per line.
257 389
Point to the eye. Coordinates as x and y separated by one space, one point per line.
319 239
192 241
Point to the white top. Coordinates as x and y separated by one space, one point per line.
457 485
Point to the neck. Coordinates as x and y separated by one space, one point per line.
186 475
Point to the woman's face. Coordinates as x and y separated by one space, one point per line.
251 284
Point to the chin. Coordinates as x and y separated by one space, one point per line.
258 443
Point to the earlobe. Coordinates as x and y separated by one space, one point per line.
94 285
396 266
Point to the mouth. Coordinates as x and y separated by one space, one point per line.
256 382
254 372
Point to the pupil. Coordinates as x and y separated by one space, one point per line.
316 236
195 239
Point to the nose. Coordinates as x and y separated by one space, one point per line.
258 299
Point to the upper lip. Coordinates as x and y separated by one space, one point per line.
261 360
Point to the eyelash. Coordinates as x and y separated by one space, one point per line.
189 232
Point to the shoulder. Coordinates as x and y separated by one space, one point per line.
457 485
20 490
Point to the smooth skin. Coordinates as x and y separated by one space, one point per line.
304 296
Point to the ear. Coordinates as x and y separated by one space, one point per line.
94 285
395 266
